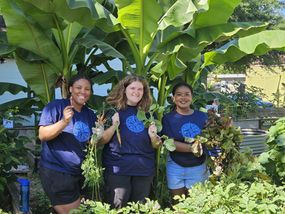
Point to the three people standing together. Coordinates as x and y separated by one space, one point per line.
129 161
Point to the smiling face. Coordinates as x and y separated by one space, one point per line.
80 92
182 98
134 93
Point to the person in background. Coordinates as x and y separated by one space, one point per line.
65 127
128 156
184 169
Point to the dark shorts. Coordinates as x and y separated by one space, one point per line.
120 189
60 187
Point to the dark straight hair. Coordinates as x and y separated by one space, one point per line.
181 84
178 85
77 77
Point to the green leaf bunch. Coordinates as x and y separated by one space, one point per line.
219 133
90 206
91 167
150 119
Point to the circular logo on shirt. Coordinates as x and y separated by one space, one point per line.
190 130
81 131
134 124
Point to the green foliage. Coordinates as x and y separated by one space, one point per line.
274 159
149 117
266 11
243 103
148 207
12 147
92 169
256 197
158 39
160 191
2 212
220 138
261 10
245 168
93 207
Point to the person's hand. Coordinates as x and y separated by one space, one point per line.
116 119
68 114
152 130
155 139
98 130
197 149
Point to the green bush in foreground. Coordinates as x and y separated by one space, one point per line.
256 197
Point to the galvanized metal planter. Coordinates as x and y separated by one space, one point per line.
255 140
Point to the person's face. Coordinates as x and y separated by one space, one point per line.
134 93
80 91
182 97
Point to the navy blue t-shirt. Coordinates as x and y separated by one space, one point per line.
65 153
135 157
178 126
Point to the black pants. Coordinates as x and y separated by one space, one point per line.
60 187
120 189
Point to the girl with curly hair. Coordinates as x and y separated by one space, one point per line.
129 162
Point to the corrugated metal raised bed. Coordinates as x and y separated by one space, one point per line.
254 139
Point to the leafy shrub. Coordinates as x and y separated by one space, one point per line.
274 159
256 197
12 151
244 101
2 212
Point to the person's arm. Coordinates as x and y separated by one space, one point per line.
182 147
109 132
50 132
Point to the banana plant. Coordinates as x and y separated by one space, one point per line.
44 35
150 38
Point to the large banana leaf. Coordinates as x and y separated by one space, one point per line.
186 47
223 32
12 88
5 48
23 33
140 19
86 12
180 13
257 44
25 105
40 77
48 31
108 50
172 64
213 12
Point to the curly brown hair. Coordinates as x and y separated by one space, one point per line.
117 97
